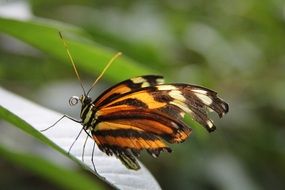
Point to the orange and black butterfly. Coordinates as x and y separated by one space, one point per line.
144 113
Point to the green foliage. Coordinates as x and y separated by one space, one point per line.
89 56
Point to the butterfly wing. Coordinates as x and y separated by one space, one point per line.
142 113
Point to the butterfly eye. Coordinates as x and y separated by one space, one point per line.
73 100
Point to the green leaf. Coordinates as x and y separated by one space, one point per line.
88 55
64 177
32 118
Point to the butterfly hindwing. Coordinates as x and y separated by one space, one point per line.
126 143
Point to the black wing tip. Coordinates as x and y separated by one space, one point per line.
211 129
225 108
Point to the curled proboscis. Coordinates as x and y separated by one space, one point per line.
73 100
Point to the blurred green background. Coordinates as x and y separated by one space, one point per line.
236 48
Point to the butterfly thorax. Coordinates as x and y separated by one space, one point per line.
87 113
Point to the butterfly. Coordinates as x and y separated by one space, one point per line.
144 113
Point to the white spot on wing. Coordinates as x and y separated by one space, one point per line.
176 94
210 109
166 87
181 105
138 80
210 124
204 98
159 81
145 84
154 155
199 91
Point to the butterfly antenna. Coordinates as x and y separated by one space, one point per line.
105 69
72 62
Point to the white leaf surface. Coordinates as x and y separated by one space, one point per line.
64 133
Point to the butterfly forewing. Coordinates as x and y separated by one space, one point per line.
127 86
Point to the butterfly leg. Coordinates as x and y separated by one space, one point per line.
67 116
94 169
75 140
92 157
87 133
83 150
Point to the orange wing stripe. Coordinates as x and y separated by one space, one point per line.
133 143
114 126
142 96
120 89
109 110
146 125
